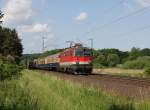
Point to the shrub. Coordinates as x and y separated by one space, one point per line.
99 61
139 63
113 60
119 66
9 69
147 71
133 65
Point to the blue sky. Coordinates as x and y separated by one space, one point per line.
78 20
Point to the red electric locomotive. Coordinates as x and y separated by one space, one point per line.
76 59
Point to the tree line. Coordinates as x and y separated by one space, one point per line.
127 59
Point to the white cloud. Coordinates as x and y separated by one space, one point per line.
36 28
17 10
83 16
143 3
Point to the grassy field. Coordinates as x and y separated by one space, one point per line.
56 94
123 72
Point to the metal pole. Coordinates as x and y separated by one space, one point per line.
71 43
43 43
91 45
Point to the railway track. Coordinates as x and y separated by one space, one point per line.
126 86
143 82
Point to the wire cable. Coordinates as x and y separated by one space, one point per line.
111 8
120 18
135 30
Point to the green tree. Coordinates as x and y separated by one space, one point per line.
10 43
145 52
95 53
1 16
134 54
122 55
113 60
100 60
110 51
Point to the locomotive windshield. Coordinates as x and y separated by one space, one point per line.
83 52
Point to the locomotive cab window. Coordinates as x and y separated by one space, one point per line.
83 52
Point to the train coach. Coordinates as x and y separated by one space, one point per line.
76 59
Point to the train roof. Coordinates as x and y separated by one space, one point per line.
54 55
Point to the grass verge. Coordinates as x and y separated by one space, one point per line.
56 94
123 72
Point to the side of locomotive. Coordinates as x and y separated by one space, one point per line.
76 60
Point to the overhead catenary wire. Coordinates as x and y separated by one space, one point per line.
113 7
119 19
135 30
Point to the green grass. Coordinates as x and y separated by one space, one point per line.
14 97
56 94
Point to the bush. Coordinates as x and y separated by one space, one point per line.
113 60
99 61
147 71
139 63
9 69
119 66
134 65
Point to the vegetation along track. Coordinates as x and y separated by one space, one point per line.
125 86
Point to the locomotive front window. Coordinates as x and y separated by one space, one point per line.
83 52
